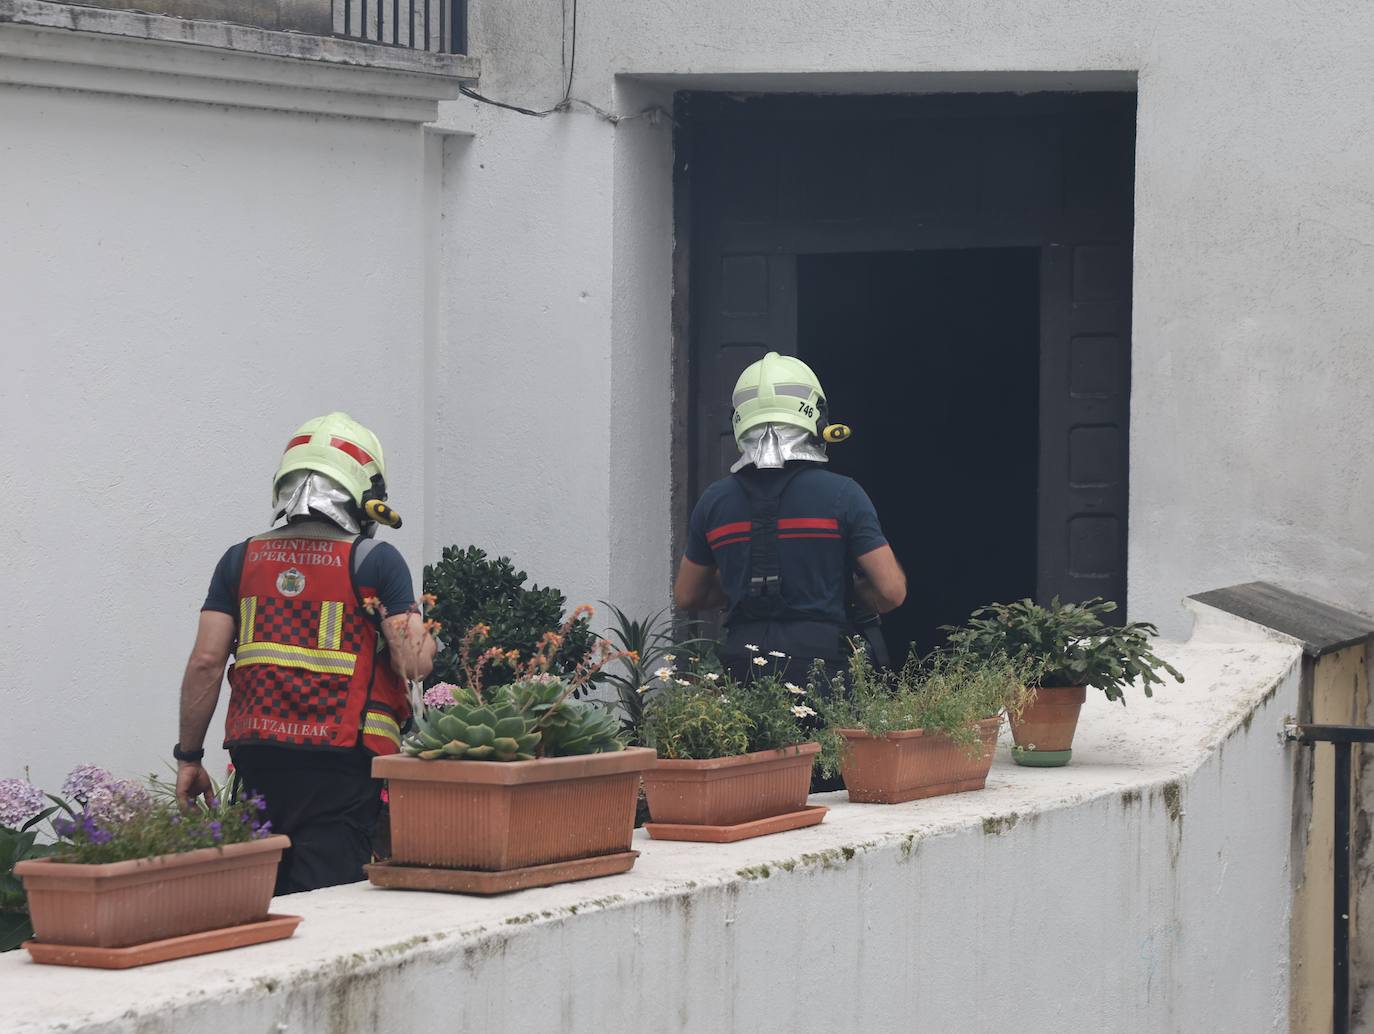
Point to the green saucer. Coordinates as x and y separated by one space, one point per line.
1041 758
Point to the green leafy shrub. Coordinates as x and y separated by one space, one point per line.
470 589
944 694
699 715
1069 643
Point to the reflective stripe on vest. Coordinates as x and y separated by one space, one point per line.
326 662
331 625
381 724
248 614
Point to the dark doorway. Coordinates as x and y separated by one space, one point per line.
959 264
933 358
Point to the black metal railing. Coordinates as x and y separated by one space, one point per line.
1342 738
440 26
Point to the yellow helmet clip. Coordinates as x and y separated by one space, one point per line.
381 513
835 433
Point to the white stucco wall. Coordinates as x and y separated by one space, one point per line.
1253 261
1145 888
180 286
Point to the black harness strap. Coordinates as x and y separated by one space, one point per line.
764 602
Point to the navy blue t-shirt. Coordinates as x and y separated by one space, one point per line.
383 570
825 522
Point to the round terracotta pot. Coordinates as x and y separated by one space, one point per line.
1047 725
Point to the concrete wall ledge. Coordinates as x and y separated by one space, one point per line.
1068 899
116 51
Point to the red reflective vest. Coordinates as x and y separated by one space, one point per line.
306 670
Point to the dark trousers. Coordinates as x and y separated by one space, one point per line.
326 801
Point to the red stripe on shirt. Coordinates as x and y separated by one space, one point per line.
812 523
728 529
730 541
810 535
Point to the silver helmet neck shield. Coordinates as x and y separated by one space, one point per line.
303 494
769 446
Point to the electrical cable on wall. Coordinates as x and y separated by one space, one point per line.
568 101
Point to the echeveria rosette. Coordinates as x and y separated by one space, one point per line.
19 802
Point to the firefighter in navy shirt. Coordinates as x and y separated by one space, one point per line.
782 543
320 619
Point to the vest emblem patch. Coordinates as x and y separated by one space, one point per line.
291 582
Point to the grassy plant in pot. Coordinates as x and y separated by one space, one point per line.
926 730
130 878
511 786
1073 650
734 760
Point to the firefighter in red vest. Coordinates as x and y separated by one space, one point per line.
321 620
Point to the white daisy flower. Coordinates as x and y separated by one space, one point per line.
710 676
761 660
682 682
776 653
802 711
670 658
644 689
792 687
751 647
664 673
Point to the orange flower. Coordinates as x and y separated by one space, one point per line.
429 598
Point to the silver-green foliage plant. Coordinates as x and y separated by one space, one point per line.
699 715
947 693
1069 642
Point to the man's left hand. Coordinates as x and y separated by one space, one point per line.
192 782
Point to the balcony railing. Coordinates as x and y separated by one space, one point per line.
440 26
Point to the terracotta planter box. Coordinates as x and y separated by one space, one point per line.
909 765
117 904
1048 725
494 815
729 791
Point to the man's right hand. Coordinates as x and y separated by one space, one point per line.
192 782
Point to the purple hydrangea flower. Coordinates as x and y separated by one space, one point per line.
216 830
19 802
118 802
84 780
440 695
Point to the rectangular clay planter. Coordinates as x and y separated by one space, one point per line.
273 928
494 815
117 904
909 765
730 791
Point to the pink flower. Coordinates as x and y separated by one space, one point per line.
19 802
440 695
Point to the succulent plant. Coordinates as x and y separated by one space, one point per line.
510 723
491 730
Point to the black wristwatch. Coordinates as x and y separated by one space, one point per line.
187 755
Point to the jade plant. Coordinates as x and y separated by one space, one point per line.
1069 643
535 716
946 693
